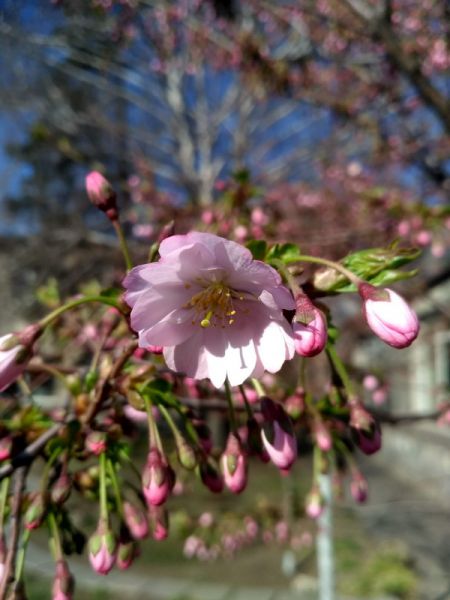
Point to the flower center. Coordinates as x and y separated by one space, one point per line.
214 305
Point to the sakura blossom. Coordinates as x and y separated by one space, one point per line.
216 311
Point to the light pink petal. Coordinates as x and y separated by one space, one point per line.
275 346
189 357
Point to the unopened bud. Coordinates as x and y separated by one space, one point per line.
314 503
277 434
126 553
295 404
63 584
96 442
61 488
309 326
36 511
157 478
159 521
211 477
102 549
102 194
186 454
136 521
389 316
5 448
234 465
358 487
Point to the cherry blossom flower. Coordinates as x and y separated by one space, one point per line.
215 310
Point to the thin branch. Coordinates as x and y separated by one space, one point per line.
104 387
15 520
26 457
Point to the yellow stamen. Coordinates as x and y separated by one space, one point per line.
206 322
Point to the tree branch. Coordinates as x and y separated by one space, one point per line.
15 519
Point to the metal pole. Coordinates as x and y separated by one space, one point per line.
324 542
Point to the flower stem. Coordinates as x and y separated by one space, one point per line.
232 412
153 433
340 369
123 244
115 484
248 408
170 422
282 268
20 562
57 548
78 302
103 497
258 387
3 500
331 263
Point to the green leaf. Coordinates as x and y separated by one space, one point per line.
48 294
377 266
287 253
258 248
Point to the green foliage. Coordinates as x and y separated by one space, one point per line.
378 266
387 572
287 253
48 294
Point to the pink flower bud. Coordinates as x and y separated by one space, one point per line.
96 442
370 382
136 521
310 327
314 503
5 448
61 488
358 487
278 435
322 436
157 478
126 553
186 454
366 431
295 404
102 549
234 465
101 194
389 316
210 477
159 520
14 358
63 584
36 511
379 396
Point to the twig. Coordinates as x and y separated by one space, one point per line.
104 386
19 485
29 454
